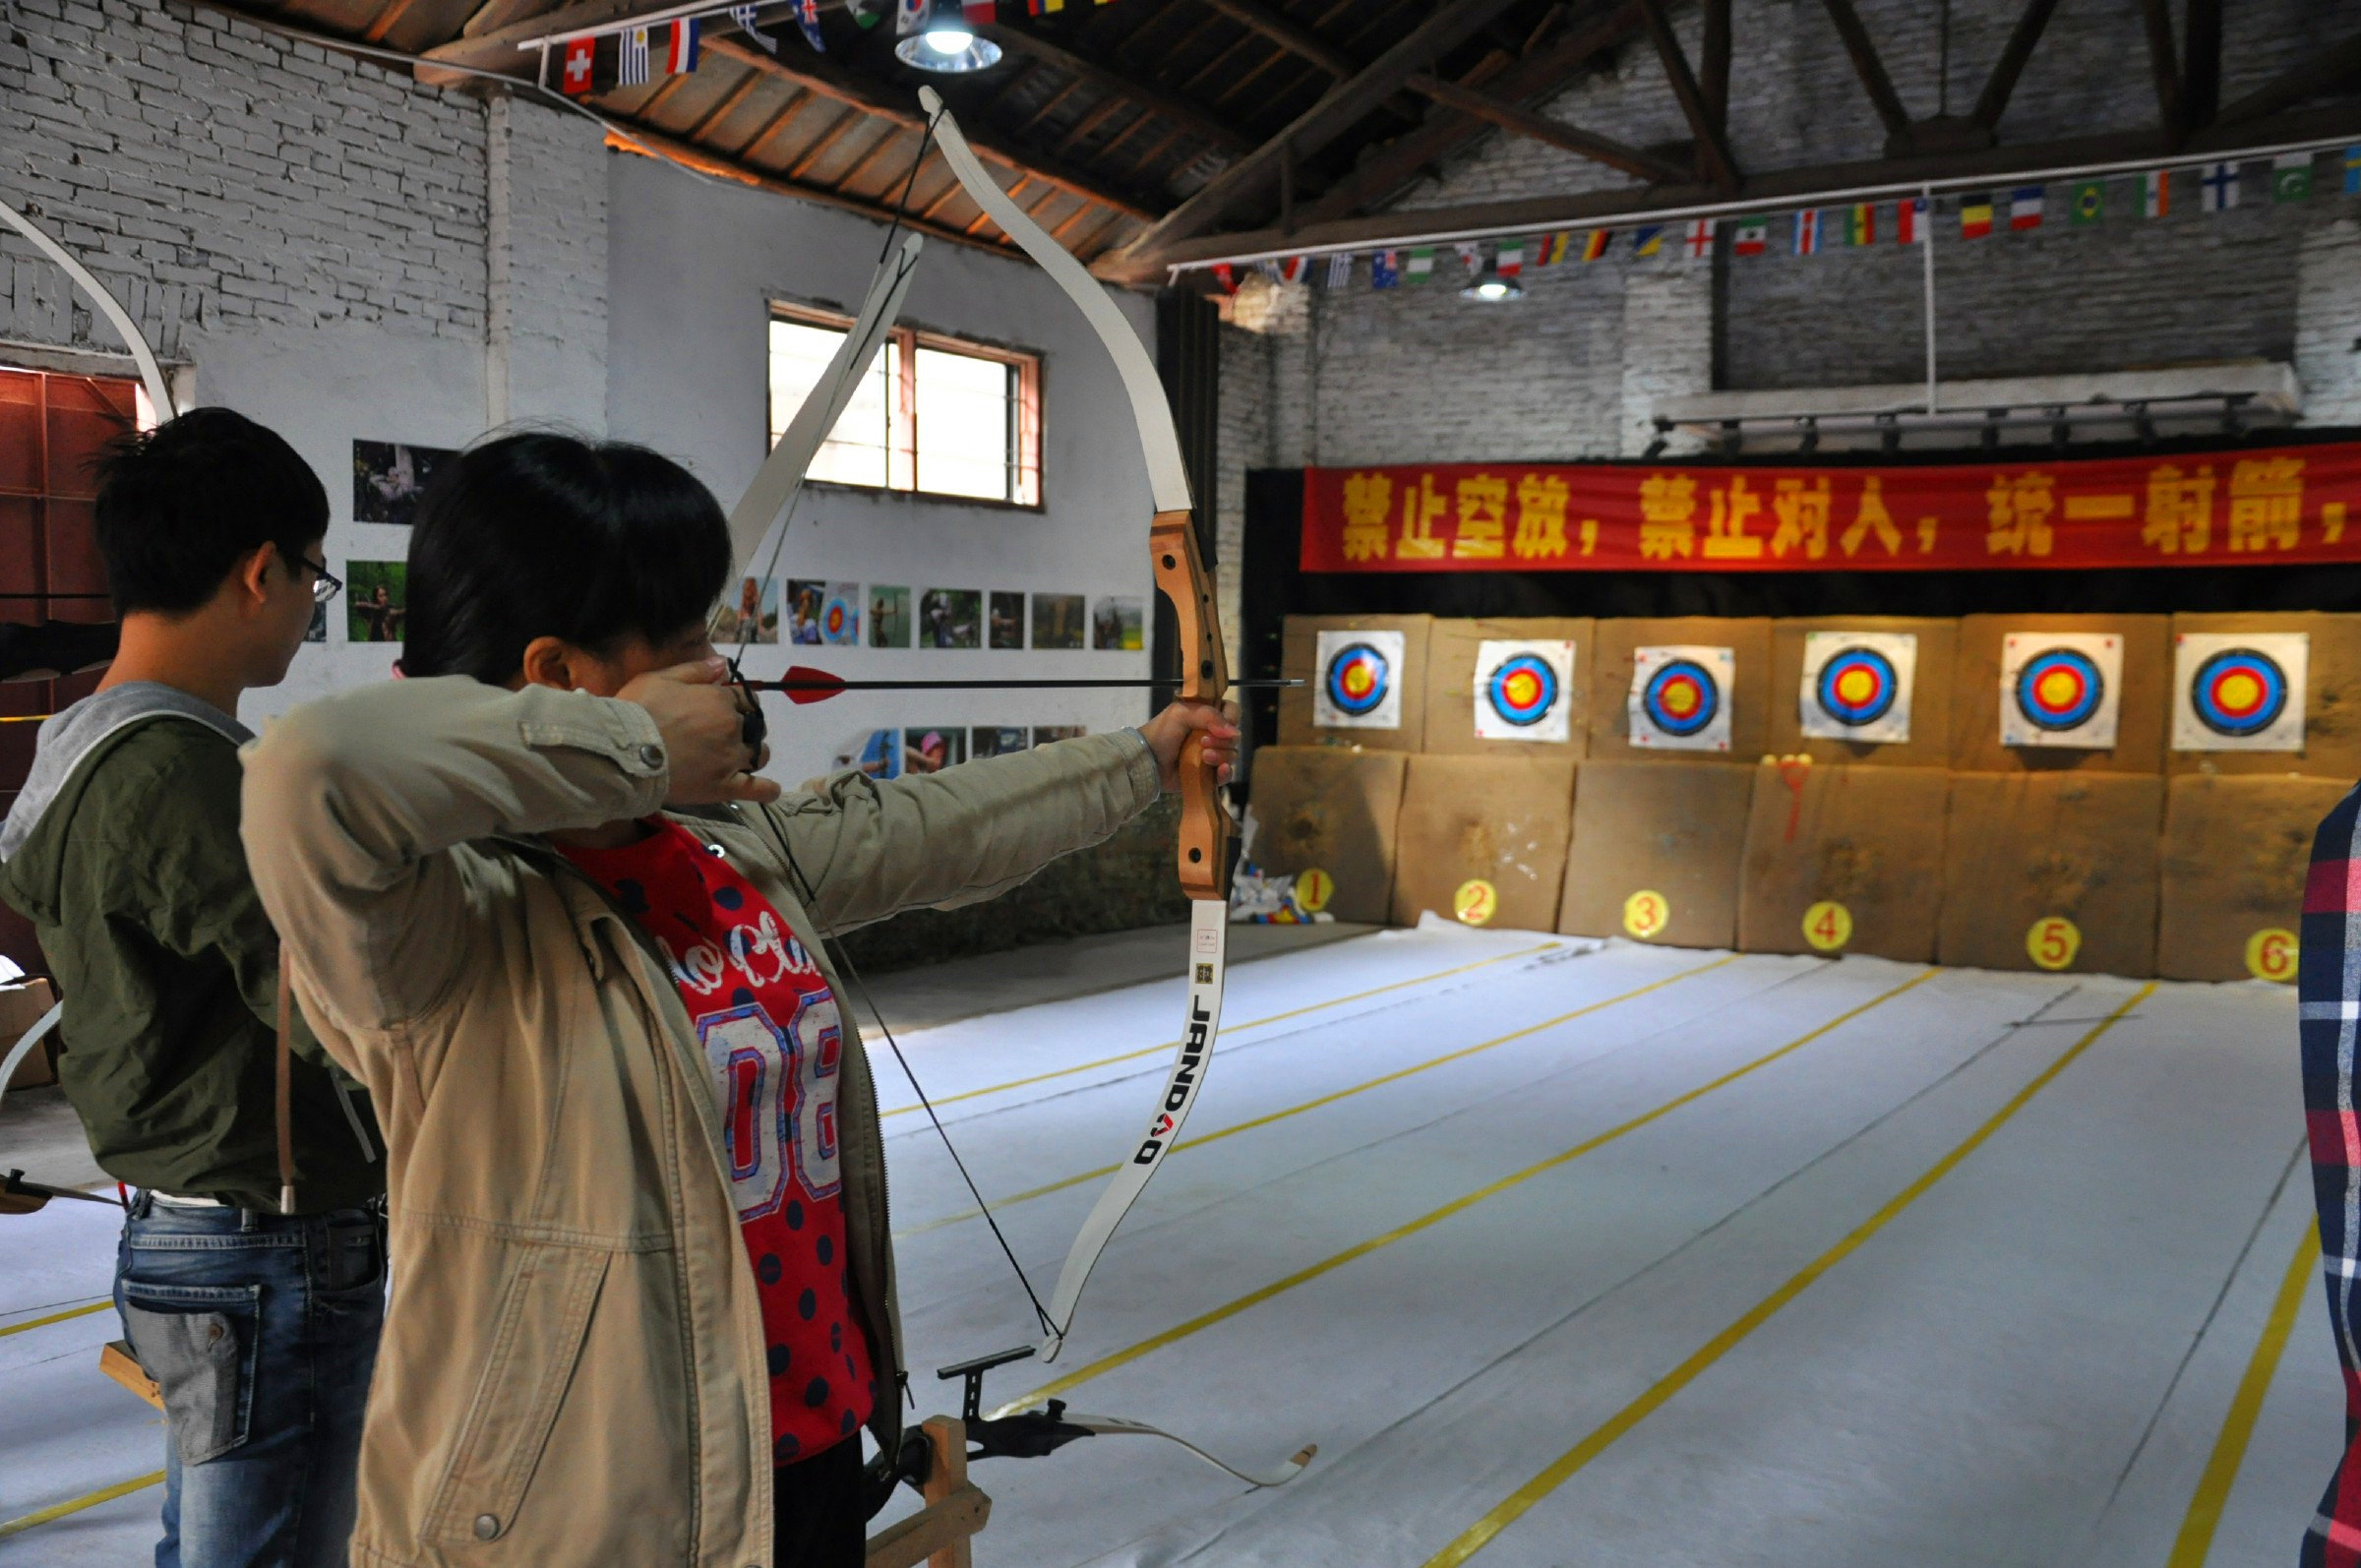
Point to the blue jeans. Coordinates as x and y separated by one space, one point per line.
261 1332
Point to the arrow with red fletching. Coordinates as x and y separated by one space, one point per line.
802 684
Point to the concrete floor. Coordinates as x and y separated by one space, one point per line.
1564 1256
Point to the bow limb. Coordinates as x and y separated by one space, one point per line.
1207 828
781 478
151 370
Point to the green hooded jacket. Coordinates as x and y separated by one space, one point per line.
123 851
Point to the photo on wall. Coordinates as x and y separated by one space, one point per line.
1114 622
752 617
888 617
950 618
388 478
840 615
807 599
375 599
876 753
1056 619
317 632
1044 734
987 739
1007 623
931 751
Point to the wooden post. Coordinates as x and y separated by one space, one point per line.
938 1534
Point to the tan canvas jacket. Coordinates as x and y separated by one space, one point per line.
572 1365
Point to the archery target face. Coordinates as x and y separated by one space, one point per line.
840 614
1856 685
2060 688
1357 684
1520 691
1679 697
2239 691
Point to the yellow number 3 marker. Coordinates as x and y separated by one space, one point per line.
1828 925
1645 914
2053 941
2270 956
1475 902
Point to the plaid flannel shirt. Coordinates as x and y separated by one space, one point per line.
2328 990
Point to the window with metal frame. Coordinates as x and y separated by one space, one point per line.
933 415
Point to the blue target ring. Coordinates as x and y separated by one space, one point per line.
2060 688
2239 691
1359 680
1681 699
1522 690
1858 687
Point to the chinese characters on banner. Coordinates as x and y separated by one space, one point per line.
2240 507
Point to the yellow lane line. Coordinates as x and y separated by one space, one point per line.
1396 1076
2229 1449
57 1318
1478 1535
1458 1205
1170 1044
55 1511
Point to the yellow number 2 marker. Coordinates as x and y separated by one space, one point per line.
1475 902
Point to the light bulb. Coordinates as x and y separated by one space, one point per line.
948 40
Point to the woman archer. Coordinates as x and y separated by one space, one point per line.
537 898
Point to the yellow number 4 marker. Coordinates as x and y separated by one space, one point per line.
1828 925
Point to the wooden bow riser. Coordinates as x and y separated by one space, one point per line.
1207 828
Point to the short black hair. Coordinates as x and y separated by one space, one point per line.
181 505
541 534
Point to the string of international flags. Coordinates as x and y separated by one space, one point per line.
2153 194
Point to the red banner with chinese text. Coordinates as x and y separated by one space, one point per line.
2243 507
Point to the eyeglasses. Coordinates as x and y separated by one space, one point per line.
324 586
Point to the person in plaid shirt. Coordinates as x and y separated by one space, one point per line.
2328 990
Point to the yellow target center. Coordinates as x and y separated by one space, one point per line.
2058 688
1358 681
2240 691
1523 688
1855 687
1680 700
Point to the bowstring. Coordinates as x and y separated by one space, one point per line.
854 982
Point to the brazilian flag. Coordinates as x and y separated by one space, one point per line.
2089 203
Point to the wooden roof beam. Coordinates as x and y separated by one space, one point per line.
1862 49
2201 65
2162 62
1555 133
1338 111
2321 71
1993 101
1177 110
1713 151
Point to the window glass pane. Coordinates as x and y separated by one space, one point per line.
964 425
855 451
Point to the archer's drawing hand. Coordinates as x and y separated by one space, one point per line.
1168 731
697 714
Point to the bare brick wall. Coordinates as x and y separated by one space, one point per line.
220 178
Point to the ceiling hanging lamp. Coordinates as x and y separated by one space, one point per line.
945 42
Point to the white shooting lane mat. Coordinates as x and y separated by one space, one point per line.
1449 1229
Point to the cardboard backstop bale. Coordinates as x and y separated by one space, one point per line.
1868 839
1501 819
2142 710
1452 646
1298 651
2332 698
1929 745
2235 856
1671 828
1611 682
2020 848
1326 808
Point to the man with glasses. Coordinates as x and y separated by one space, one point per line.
251 1275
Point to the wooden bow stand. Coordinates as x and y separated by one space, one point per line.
938 1534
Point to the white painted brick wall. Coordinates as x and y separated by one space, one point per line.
2328 337
221 178
546 336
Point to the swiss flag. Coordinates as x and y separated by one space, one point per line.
579 53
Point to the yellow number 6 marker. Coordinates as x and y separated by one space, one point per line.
2270 956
